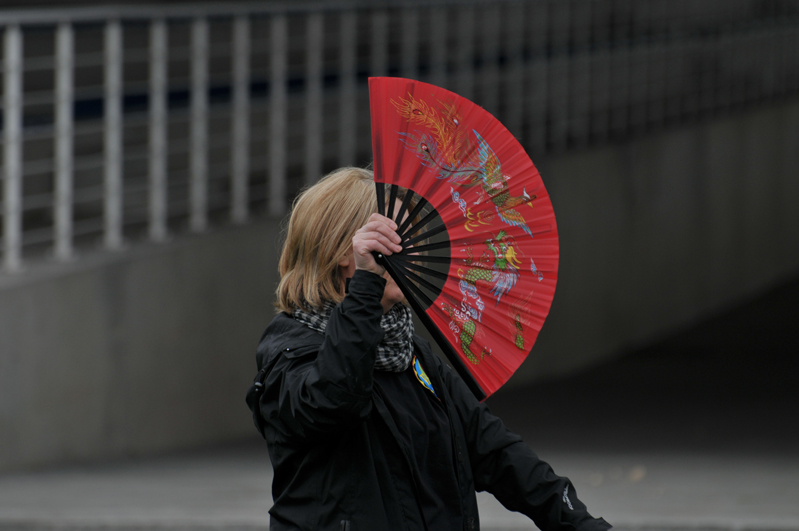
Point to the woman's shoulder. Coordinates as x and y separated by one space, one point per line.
285 334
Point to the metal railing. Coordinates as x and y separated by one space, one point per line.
124 123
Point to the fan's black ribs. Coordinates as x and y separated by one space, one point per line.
430 216
415 212
404 206
391 200
410 265
426 234
422 257
414 277
403 281
381 198
431 246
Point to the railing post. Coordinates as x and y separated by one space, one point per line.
558 106
600 93
657 83
489 74
514 111
685 46
379 48
768 52
580 81
538 74
158 131
277 116
737 52
409 50
779 42
313 98
64 131
640 61
620 72
599 105
347 86
438 47
199 125
792 51
240 140
465 54
12 148
113 135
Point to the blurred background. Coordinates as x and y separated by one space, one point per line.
150 152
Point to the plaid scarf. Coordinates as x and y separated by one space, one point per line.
394 352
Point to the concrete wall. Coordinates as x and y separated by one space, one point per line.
658 232
142 352
151 349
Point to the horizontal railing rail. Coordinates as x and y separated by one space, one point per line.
122 123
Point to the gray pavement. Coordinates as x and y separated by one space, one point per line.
229 489
697 432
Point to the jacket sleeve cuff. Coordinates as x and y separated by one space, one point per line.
367 283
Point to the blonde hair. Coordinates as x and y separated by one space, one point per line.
323 221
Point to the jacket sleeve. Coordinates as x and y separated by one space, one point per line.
311 392
505 466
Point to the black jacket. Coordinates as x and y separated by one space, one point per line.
333 445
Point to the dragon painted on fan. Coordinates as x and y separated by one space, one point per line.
517 312
465 329
502 275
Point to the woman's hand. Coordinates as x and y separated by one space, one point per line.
379 234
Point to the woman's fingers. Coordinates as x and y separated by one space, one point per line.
383 225
381 229
391 240
367 242
378 235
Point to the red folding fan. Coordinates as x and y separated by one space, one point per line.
480 245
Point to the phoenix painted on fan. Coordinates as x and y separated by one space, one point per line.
447 149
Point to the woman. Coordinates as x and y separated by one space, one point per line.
366 428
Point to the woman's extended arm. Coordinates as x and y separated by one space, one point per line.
505 466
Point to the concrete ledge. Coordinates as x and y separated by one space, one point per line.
134 353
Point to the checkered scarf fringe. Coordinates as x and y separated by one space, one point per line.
394 352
